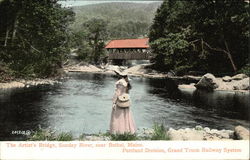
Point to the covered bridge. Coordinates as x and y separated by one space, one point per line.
128 49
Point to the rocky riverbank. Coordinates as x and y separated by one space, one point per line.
202 134
28 83
142 70
209 82
188 134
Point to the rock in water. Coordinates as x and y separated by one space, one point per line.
241 133
227 79
207 82
239 77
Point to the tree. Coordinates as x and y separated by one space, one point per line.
92 40
34 35
201 35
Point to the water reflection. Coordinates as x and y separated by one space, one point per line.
21 110
234 105
82 104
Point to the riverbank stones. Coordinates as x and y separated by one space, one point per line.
207 82
227 79
239 77
241 133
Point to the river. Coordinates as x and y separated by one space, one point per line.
82 104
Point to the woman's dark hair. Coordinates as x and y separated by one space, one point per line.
129 86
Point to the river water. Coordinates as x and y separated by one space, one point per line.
82 104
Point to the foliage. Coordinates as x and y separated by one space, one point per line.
33 36
124 20
49 135
209 36
171 49
64 137
96 24
123 137
159 133
6 74
42 135
90 41
245 69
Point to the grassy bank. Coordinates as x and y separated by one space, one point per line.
158 133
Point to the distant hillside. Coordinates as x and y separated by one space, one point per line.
125 20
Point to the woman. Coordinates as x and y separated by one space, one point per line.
121 118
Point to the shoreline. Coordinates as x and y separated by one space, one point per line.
21 83
186 82
197 133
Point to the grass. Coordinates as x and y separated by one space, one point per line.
64 137
42 135
124 137
160 132
49 135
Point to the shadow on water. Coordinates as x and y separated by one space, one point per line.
219 109
165 88
234 105
83 104
21 110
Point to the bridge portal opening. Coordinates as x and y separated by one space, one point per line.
128 52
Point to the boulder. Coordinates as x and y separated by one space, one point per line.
239 77
185 135
241 84
199 133
222 85
207 82
241 133
227 79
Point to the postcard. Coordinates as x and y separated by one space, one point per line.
124 79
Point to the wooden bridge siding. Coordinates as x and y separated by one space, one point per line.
129 55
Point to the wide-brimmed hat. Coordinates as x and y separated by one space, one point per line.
122 74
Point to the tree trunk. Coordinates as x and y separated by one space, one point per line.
6 37
14 29
230 57
227 51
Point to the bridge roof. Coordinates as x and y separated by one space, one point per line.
128 43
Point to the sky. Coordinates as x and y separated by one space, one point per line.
71 3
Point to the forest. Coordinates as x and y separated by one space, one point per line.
124 20
204 36
33 37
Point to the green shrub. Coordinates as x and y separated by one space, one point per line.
123 137
159 133
49 135
64 137
81 137
42 135
245 69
